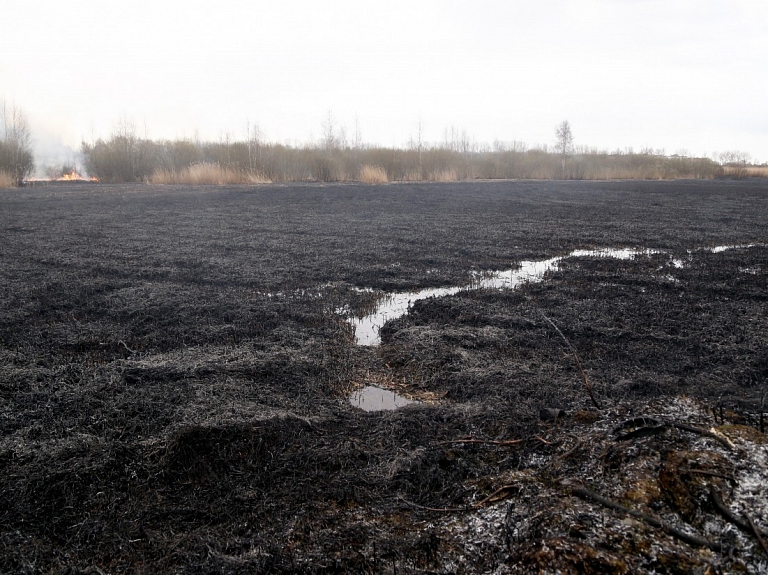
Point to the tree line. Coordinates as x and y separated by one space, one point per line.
126 157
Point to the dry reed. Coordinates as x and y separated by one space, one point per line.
448 175
373 175
7 180
206 174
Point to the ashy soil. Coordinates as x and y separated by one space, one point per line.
176 365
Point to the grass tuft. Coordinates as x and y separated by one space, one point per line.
373 175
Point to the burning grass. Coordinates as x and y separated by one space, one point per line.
207 174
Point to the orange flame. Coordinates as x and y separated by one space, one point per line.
73 176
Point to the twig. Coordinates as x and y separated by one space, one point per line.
705 432
481 441
745 525
650 519
437 509
493 495
723 510
121 342
710 473
570 452
756 532
576 359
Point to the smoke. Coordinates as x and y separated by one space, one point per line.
53 155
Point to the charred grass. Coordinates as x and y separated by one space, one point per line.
174 371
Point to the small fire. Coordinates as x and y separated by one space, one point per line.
73 176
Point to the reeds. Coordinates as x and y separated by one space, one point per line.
206 173
372 175
7 180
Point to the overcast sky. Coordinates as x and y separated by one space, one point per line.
674 74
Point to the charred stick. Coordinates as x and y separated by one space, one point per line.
705 432
494 495
710 473
437 509
482 441
650 519
723 510
576 359
756 532
746 525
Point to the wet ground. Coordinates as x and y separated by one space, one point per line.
177 368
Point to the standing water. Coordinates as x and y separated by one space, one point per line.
396 305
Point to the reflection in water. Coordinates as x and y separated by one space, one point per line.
372 398
396 305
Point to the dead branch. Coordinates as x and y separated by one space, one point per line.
437 509
705 432
576 359
493 496
756 532
481 441
746 525
650 519
710 473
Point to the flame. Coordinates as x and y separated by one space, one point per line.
73 176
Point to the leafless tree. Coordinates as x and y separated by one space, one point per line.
16 144
564 138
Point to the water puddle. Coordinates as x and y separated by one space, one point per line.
392 306
373 398
396 305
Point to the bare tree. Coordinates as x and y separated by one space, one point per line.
330 138
564 138
735 163
16 144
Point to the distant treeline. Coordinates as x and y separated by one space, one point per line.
127 158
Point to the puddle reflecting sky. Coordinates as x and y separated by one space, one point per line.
372 398
396 305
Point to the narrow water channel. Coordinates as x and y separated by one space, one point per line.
395 305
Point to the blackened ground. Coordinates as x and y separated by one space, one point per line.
174 369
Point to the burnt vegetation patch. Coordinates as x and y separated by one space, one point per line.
175 367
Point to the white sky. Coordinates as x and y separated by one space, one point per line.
675 74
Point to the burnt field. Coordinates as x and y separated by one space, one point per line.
176 365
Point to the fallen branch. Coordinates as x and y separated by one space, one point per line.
705 432
756 532
576 359
710 474
746 525
650 519
482 441
652 426
437 509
